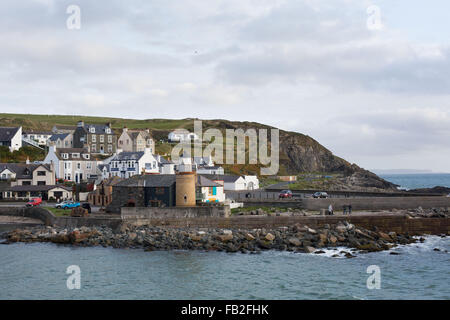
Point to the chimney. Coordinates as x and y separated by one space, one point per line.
147 130
108 124
125 129
80 124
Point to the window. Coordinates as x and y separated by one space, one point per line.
94 138
78 165
108 130
41 173
92 130
159 190
102 138
65 156
109 148
109 139
88 165
41 183
75 155
26 183
94 148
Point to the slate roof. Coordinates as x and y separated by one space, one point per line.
69 151
99 128
7 133
149 180
38 188
125 156
57 136
20 169
222 177
205 182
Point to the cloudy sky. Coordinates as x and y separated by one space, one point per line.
377 94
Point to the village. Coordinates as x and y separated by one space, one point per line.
87 162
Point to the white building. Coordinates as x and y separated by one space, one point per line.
128 164
235 183
40 137
180 135
72 164
11 137
209 191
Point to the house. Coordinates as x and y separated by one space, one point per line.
235 183
128 164
180 135
11 137
61 140
210 170
105 171
41 137
209 191
165 166
102 195
72 164
96 137
46 192
144 191
57 129
26 174
135 140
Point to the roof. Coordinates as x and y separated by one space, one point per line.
205 182
20 169
70 151
57 136
125 156
111 181
38 132
38 188
7 133
102 166
210 167
163 160
222 177
99 128
149 180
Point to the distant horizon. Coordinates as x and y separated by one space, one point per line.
405 171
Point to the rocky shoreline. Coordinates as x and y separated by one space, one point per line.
297 238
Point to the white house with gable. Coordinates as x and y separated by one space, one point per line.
128 164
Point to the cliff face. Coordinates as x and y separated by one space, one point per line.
300 153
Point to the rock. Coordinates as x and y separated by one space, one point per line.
436 249
349 255
295 242
225 231
311 231
269 237
319 252
196 237
309 249
225 237
341 228
335 256
394 253
132 236
249 237
333 239
384 236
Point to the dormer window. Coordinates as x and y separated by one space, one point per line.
86 156
92 129
75 155
108 130
65 156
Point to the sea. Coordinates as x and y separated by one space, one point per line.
417 181
50 271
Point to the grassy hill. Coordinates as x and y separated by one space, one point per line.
299 153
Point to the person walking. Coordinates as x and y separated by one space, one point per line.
330 209
344 210
350 209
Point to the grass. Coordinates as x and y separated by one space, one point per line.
58 212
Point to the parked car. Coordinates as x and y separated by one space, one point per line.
70 205
285 194
34 202
86 206
322 195
59 205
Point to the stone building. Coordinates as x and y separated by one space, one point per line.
97 138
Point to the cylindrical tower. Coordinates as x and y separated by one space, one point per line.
185 189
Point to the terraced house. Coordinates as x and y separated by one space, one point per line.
97 138
136 140
72 164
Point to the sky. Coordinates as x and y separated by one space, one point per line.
375 93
